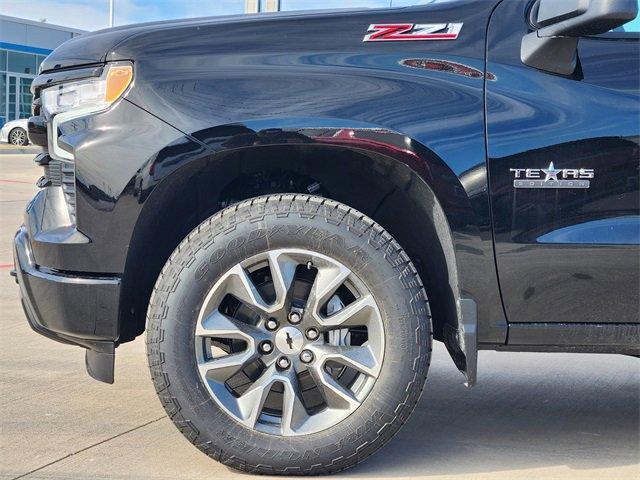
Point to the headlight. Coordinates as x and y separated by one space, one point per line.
90 95
72 100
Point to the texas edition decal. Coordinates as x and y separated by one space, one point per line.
399 32
553 177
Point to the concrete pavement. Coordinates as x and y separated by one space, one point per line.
8 149
531 416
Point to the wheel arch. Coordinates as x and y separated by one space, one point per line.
385 175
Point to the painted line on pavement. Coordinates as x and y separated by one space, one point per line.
88 447
16 181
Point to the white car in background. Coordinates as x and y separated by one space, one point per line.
15 132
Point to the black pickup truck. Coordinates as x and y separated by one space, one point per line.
275 197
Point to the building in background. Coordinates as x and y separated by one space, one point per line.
257 6
23 46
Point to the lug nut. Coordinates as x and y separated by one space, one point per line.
306 356
283 363
271 324
266 347
295 317
313 334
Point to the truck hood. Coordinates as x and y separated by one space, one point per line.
101 45
93 47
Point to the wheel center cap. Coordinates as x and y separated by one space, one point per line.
289 340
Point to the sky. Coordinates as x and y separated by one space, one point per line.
94 14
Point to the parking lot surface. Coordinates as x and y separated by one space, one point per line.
531 416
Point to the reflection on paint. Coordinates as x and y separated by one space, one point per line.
608 231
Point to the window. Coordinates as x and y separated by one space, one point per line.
3 60
39 61
3 98
22 63
25 98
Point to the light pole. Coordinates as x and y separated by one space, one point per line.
255 6
111 13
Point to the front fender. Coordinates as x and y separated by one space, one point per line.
448 198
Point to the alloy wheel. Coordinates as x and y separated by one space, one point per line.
289 342
18 137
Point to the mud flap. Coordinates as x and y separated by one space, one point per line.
462 343
100 364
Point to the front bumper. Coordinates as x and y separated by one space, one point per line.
72 253
70 308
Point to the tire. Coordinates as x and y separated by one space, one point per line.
18 136
336 233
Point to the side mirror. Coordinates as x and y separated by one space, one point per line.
559 24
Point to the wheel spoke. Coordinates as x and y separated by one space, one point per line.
251 402
220 325
360 358
356 314
223 368
294 414
283 270
335 395
238 284
328 278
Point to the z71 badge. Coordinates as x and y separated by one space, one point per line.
400 32
552 177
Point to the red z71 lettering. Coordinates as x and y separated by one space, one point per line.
397 32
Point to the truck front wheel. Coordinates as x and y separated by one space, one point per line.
289 334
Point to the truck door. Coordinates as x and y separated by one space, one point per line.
563 159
